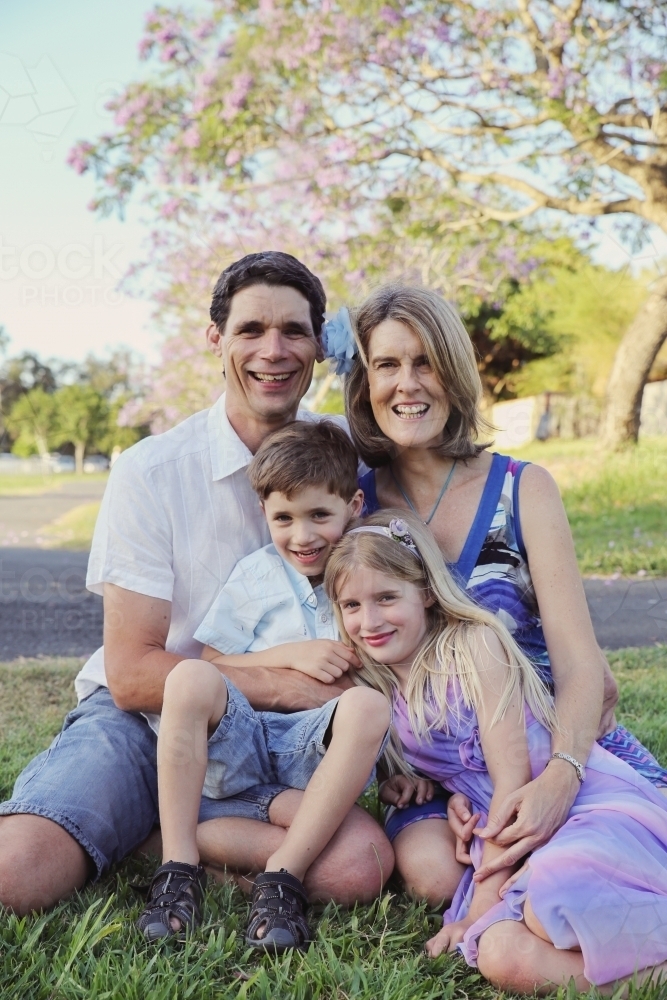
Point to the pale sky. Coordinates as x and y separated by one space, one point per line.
59 263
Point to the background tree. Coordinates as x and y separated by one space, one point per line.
33 422
82 419
324 119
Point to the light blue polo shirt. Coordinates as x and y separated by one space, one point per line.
264 603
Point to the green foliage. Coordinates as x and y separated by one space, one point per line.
88 947
585 310
33 422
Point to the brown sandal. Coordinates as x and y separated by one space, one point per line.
177 890
279 907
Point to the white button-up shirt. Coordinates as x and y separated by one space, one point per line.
177 515
266 602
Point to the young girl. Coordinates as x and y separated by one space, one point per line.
471 713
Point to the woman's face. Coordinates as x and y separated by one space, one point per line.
409 403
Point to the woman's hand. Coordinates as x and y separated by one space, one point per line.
530 816
462 823
448 938
399 790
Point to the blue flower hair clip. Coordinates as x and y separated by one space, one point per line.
338 341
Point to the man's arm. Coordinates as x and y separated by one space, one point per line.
137 663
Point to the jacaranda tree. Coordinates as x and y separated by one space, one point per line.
368 127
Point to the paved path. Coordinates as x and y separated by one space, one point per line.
45 609
21 517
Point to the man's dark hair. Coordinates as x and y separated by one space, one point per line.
271 267
302 454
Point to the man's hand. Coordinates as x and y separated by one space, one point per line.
530 816
448 938
399 790
462 822
324 659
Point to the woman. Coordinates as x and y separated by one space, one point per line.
412 401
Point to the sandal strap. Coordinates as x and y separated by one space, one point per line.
279 904
176 890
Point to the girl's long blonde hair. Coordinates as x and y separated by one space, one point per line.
447 654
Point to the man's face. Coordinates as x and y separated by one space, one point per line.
268 347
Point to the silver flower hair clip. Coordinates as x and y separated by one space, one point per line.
338 341
397 530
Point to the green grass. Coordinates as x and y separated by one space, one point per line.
616 503
87 949
11 485
74 530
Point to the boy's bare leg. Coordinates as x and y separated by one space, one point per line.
195 699
360 723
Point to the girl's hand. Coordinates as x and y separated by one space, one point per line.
399 790
462 823
448 938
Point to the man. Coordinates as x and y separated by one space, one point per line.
177 515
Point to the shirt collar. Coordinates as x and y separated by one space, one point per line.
228 452
301 585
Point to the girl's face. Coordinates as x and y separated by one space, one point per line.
384 616
409 403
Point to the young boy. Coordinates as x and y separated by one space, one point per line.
272 611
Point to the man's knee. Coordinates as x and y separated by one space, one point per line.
355 866
40 863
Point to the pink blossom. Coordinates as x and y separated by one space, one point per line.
79 156
235 99
191 137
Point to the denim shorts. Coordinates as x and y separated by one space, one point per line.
98 780
250 748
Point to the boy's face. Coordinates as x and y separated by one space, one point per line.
306 527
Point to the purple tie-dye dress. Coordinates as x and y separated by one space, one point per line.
600 883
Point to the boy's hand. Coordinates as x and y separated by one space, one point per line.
324 659
399 790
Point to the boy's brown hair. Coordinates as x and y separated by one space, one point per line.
303 454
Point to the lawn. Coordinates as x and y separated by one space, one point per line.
26 485
74 530
88 948
617 504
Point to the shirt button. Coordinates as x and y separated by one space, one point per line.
311 601
324 618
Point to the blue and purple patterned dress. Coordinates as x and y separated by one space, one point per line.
493 569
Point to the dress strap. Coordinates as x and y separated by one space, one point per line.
488 505
517 469
368 485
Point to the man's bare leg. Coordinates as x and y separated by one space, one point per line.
40 863
352 868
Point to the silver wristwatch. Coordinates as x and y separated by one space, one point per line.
579 768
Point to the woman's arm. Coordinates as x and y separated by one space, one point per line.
576 663
505 748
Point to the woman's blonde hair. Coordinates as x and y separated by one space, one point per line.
451 356
447 653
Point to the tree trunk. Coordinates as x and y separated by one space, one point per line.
79 452
634 357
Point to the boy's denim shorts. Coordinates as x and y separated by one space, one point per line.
98 780
249 747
